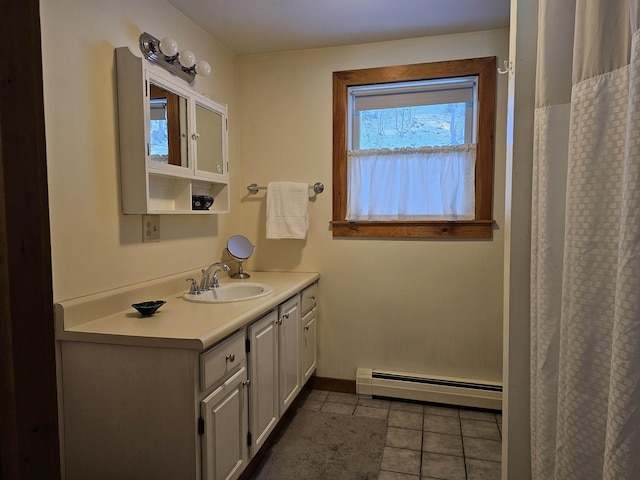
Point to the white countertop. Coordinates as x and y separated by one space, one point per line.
108 317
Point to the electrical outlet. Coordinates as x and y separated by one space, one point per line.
151 228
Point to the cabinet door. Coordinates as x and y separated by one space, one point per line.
210 142
288 349
263 373
308 338
225 452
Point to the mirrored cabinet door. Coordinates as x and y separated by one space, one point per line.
168 127
210 144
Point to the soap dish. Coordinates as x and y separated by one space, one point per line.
147 309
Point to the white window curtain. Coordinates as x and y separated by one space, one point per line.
428 183
585 285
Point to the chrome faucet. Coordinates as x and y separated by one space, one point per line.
210 280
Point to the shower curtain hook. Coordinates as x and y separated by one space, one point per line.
507 67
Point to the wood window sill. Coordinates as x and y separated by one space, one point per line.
414 229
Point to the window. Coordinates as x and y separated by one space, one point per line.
413 150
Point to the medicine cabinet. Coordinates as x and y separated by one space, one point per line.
173 142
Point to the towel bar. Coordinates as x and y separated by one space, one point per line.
318 187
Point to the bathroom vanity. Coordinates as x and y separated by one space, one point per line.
192 392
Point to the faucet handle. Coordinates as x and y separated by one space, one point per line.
193 289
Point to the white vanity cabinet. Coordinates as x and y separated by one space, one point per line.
160 406
308 332
282 357
264 409
288 351
224 411
129 412
224 441
173 141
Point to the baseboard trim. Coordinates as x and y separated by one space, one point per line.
333 384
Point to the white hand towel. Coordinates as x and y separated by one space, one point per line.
287 213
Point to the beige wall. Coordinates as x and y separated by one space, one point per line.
427 306
417 305
94 246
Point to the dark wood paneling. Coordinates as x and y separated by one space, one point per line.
29 446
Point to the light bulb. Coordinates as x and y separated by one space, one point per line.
168 47
186 58
203 68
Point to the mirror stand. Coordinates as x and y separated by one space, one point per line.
240 273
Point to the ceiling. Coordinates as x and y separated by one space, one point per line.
263 26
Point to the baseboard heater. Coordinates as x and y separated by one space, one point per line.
429 388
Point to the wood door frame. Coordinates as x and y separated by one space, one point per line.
29 441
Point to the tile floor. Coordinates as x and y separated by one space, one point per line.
425 442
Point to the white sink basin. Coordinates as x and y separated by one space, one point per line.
231 292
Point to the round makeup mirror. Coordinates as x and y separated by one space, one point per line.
240 248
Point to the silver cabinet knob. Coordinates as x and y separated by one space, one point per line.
231 357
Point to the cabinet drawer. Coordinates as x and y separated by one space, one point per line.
308 298
220 361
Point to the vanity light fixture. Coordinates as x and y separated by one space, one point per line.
166 53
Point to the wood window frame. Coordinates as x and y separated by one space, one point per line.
482 227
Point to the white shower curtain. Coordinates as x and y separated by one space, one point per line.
585 355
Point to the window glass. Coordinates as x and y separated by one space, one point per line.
426 125
413 114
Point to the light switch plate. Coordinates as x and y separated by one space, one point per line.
150 228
